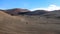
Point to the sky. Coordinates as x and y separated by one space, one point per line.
30 4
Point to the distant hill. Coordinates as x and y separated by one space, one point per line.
17 11
53 14
37 12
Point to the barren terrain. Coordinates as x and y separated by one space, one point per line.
28 24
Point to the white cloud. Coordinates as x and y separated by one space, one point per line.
49 8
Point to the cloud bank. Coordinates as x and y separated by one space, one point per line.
49 8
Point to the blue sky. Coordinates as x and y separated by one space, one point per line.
28 4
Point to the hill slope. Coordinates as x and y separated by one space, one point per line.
28 24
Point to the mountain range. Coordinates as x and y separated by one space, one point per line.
18 11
